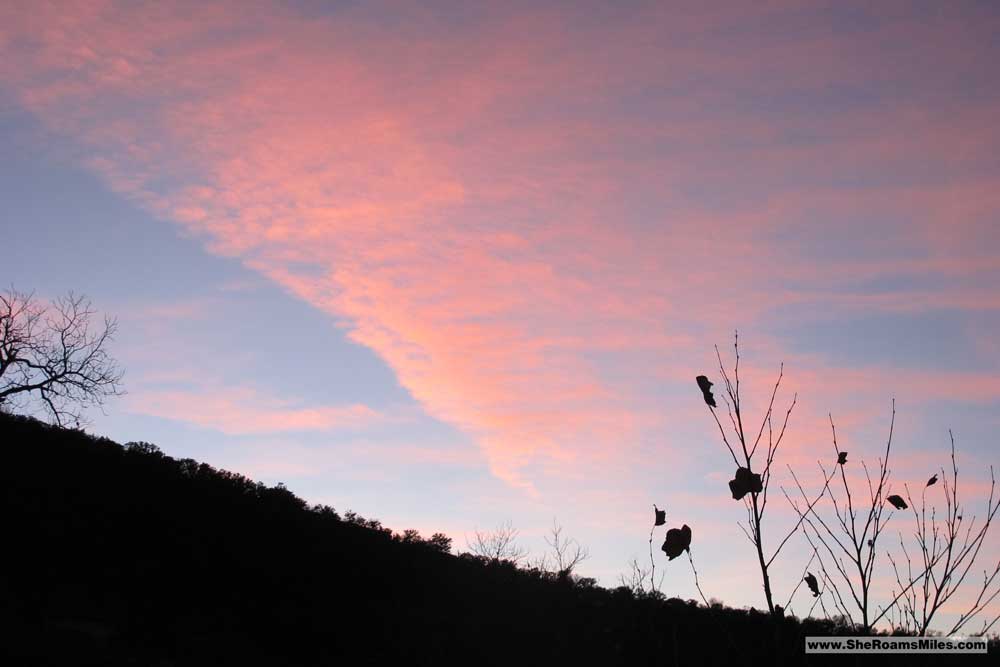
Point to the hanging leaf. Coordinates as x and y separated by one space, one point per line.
660 516
897 502
932 480
706 390
811 582
744 483
678 539
842 458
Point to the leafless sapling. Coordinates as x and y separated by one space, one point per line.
846 546
946 551
749 486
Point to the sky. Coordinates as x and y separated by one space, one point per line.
449 264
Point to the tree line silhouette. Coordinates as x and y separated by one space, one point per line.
123 555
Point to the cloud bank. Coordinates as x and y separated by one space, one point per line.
538 216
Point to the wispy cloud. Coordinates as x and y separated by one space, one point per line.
247 411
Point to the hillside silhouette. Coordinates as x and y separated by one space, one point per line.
121 555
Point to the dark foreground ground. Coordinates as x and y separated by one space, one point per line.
116 555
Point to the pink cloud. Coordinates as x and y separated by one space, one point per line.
461 203
245 411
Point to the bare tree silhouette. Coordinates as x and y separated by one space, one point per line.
564 553
498 545
53 355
